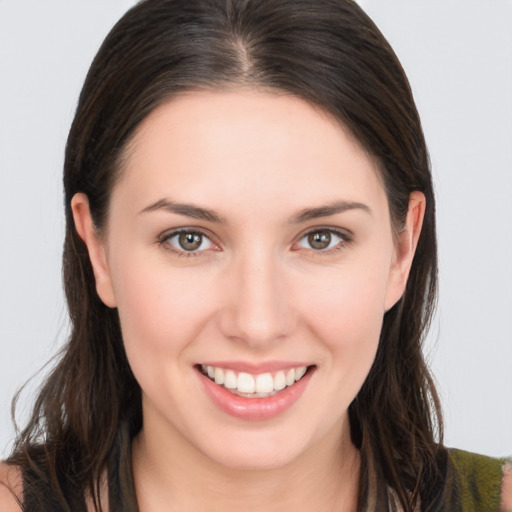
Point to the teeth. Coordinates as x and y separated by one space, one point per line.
279 381
231 380
218 375
245 383
264 383
254 386
299 373
290 377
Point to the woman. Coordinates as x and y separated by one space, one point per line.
250 268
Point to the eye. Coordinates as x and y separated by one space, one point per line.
188 241
322 240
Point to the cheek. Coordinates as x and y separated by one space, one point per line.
350 304
347 316
160 310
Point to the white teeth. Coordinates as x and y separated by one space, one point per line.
254 386
245 383
299 373
290 377
231 381
279 381
218 375
264 383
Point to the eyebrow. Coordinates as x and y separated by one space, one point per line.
327 210
197 212
188 210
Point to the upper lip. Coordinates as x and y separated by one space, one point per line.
256 368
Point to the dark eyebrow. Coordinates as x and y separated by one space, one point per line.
188 210
327 210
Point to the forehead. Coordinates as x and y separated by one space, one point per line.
220 146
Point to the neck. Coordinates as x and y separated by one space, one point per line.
167 469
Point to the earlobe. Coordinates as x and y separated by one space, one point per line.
405 249
95 247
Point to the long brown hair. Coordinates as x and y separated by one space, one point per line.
327 52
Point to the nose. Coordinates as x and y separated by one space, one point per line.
259 309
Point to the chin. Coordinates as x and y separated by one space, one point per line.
253 451
251 460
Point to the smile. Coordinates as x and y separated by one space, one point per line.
254 386
255 396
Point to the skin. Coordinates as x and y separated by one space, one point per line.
10 488
256 291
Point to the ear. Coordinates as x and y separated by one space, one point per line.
405 249
95 247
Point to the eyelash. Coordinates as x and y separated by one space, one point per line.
345 237
163 240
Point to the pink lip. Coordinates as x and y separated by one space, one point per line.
254 409
256 368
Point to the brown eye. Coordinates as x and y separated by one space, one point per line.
324 240
190 241
320 240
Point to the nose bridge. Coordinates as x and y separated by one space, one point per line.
259 311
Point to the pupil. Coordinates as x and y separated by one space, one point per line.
320 240
190 241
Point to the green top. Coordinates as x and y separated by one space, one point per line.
473 482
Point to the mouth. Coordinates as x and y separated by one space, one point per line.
249 385
254 396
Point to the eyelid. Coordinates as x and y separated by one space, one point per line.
345 235
163 240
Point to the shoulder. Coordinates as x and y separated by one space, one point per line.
11 488
478 482
506 494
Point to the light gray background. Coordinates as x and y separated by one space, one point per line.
458 56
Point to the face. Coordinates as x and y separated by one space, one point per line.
250 254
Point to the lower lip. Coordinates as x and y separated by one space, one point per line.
255 409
